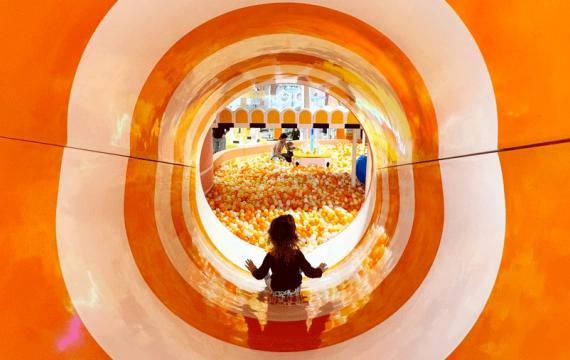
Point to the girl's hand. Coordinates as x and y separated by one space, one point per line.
323 267
250 265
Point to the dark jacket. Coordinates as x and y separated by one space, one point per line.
286 276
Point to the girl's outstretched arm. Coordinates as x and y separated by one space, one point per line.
250 265
262 271
308 269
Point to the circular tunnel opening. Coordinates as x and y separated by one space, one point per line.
315 179
214 265
364 240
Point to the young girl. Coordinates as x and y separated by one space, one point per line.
278 147
285 260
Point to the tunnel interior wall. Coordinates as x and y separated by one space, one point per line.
524 316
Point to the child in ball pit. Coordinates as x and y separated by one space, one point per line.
289 155
278 147
285 260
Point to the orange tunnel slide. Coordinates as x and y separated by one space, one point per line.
109 248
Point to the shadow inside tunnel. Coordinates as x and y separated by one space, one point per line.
284 335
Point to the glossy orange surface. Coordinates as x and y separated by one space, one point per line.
526 49
42 47
526 314
38 318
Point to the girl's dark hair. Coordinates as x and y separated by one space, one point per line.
283 236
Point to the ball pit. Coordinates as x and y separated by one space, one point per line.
249 192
